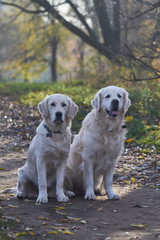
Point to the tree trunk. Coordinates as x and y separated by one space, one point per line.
117 26
80 45
105 25
54 45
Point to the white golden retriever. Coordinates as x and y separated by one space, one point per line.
48 151
95 150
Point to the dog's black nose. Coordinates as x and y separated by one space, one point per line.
115 104
58 115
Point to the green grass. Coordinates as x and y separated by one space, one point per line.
145 109
33 93
143 129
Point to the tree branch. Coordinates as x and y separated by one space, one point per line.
87 39
139 79
156 5
82 19
104 50
21 8
139 61
145 2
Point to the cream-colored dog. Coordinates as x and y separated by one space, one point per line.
48 152
95 150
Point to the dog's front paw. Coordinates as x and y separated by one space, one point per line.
114 197
42 199
70 194
90 196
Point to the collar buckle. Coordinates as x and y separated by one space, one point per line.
49 132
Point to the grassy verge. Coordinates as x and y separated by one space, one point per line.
143 117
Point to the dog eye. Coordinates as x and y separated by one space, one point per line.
119 95
63 104
53 104
107 96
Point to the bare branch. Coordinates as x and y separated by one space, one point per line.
139 79
139 61
154 6
82 19
104 50
22 8
145 2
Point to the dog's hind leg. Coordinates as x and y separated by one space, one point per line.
99 185
21 185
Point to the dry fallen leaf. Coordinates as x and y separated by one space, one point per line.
59 228
70 220
28 229
129 140
132 180
37 204
68 232
45 223
53 232
20 234
12 206
32 233
83 221
43 218
138 225
59 208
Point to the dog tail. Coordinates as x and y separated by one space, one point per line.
9 191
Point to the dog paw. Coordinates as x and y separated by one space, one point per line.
70 194
62 198
101 192
90 196
42 199
20 195
114 197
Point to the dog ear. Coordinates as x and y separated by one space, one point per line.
72 110
43 108
127 101
96 102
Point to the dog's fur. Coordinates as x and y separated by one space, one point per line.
48 151
95 150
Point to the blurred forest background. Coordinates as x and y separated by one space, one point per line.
77 47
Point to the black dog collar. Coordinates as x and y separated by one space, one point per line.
49 131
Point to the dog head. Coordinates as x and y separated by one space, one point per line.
57 108
112 100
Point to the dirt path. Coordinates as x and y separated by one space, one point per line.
135 216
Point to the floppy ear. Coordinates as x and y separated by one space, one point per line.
127 101
72 110
43 108
96 102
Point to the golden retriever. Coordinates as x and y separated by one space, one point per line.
48 151
95 150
